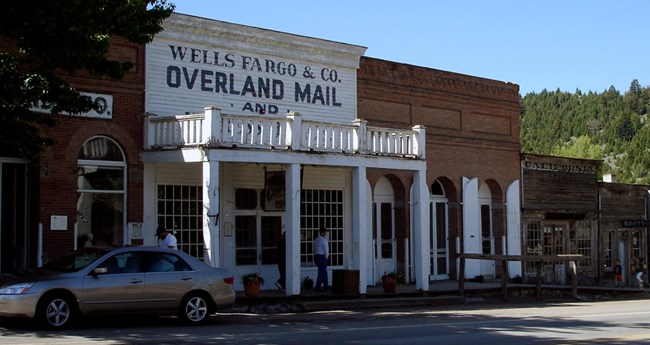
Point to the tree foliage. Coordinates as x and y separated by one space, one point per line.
580 147
607 126
43 42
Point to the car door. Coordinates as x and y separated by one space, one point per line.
120 289
167 279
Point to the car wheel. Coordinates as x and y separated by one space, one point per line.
194 309
55 312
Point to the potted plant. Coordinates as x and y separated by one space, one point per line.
389 282
252 282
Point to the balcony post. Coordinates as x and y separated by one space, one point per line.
211 130
294 128
149 131
419 141
360 135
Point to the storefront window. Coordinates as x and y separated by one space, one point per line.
320 207
636 244
101 181
180 210
583 242
533 243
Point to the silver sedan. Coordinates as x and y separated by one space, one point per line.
131 280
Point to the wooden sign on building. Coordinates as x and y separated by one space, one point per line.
559 184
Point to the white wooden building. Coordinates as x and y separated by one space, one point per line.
250 133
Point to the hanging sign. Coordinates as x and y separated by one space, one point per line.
274 191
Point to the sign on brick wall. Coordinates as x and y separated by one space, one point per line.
104 106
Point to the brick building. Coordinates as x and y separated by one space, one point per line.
472 157
88 186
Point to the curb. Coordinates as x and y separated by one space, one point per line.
381 303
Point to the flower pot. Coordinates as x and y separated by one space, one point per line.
389 284
252 289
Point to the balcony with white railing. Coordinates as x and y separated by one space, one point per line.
213 129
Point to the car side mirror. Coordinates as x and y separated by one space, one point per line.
100 270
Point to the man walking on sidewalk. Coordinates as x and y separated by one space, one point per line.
321 255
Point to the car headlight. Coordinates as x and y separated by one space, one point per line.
16 289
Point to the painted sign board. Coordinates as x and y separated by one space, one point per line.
104 109
197 62
638 223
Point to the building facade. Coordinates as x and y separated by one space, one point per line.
623 229
230 136
473 149
560 213
251 133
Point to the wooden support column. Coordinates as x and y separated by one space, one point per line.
292 229
360 230
210 209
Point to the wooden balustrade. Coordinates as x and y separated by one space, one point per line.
214 129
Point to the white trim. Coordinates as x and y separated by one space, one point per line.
513 224
13 160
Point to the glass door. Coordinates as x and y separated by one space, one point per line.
385 234
439 257
554 243
256 245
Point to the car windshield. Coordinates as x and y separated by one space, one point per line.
76 260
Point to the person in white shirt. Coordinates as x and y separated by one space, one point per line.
165 238
321 255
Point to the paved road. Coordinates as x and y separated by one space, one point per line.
617 322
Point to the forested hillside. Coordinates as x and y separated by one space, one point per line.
608 125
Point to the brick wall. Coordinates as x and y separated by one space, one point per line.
472 127
58 178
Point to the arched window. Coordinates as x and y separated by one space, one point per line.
436 188
101 186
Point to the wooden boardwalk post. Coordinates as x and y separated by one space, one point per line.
538 259
461 277
504 280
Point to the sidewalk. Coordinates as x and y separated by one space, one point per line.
439 293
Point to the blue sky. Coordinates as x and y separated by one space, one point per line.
586 45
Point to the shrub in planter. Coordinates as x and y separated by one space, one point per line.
252 282
389 282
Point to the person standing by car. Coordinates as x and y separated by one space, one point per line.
165 238
321 255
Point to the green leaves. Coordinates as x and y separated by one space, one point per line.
42 42
607 126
